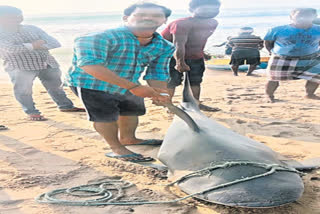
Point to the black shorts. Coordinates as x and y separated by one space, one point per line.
195 74
251 56
105 107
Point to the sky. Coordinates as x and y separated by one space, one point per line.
80 6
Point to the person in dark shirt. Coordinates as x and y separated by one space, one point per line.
189 35
245 47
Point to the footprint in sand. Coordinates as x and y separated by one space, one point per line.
249 99
233 89
155 130
307 109
233 97
240 121
69 150
247 94
144 123
265 106
284 134
11 202
274 123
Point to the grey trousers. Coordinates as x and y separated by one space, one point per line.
50 78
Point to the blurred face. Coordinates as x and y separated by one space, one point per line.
302 19
11 19
245 31
146 18
206 11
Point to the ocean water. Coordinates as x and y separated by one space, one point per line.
66 27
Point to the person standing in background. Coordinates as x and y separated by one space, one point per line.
245 47
25 52
295 52
190 35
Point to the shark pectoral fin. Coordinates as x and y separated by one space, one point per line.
184 116
309 164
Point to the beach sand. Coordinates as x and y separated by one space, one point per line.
65 151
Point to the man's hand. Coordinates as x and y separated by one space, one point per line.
144 91
165 97
206 57
154 93
182 67
38 44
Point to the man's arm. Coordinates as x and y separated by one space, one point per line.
50 42
7 47
220 45
179 42
104 74
260 45
269 45
157 84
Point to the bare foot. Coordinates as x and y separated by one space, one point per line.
271 99
312 97
130 141
121 150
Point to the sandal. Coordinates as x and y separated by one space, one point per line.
2 127
208 108
74 109
37 117
134 157
150 142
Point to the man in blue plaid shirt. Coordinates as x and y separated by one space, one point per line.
105 73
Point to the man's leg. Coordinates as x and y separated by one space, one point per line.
131 107
171 91
51 80
271 87
235 68
197 69
311 88
109 131
175 78
251 69
22 86
127 126
196 89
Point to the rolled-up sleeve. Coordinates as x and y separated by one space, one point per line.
271 35
91 50
158 69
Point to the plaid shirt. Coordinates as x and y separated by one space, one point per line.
120 51
17 53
